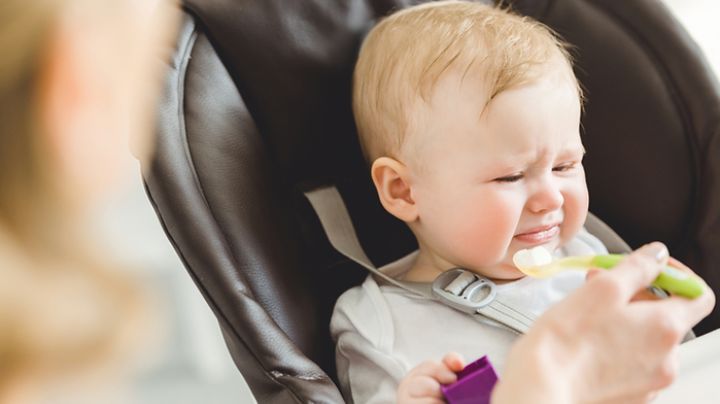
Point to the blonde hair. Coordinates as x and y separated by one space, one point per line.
61 309
405 55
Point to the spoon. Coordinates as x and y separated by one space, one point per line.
537 262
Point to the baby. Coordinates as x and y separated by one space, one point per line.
469 116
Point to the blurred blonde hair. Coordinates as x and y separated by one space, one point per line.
61 308
405 55
26 189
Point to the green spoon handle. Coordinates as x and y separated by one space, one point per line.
670 279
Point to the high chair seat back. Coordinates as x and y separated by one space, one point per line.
257 110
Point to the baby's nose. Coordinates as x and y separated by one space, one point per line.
545 198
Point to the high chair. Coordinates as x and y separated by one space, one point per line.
257 111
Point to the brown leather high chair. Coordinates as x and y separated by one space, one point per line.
257 110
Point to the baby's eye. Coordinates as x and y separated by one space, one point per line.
509 178
565 167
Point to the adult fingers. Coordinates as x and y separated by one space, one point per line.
643 295
701 306
592 273
647 294
687 312
635 272
679 265
642 398
697 308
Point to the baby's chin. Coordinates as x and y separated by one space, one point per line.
503 273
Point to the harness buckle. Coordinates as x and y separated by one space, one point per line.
464 290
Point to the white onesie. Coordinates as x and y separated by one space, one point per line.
382 331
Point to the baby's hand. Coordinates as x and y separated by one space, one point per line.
422 384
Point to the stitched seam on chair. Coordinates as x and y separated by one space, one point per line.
274 375
182 73
182 69
188 154
198 183
279 374
180 88
208 297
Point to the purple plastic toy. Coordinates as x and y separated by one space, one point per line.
474 384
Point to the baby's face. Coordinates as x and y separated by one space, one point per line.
487 185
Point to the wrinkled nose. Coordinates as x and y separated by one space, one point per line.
545 196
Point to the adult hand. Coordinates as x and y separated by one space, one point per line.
600 344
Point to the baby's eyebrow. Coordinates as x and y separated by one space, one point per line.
515 161
573 150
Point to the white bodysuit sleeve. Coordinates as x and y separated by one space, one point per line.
363 331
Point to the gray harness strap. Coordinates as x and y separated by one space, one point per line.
458 288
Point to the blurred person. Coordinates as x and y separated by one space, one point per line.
77 78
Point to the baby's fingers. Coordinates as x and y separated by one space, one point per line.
424 387
437 371
428 400
454 361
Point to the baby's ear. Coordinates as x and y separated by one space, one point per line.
392 183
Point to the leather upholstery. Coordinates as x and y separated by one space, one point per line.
257 110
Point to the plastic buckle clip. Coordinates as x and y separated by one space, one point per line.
474 384
464 290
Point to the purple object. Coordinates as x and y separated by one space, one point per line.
474 384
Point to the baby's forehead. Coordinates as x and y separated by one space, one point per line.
460 89
459 106
486 79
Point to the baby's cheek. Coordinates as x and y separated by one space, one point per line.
575 210
486 238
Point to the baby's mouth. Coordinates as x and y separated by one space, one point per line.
539 235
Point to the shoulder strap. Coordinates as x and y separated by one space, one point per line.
456 288
460 289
